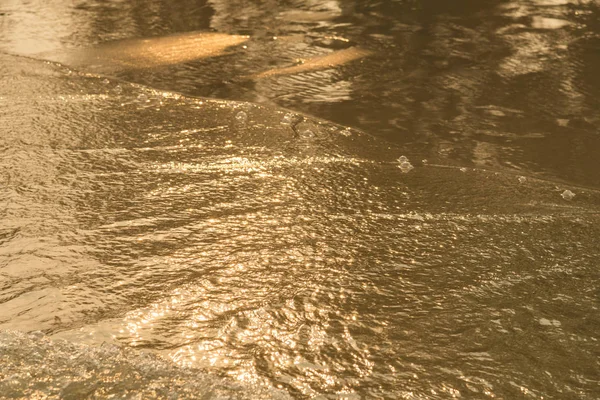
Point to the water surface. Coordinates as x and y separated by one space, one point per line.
443 245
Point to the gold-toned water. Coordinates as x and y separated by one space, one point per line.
266 253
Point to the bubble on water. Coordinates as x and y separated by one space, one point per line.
346 132
522 179
241 116
548 322
106 81
424 161
496 113
288 119
404 164
118 89
142 98
567 195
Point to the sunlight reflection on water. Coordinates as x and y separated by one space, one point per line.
284 251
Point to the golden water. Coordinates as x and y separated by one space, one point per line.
439 239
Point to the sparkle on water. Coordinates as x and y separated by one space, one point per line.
176 247
284 257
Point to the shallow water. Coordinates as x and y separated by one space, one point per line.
262 249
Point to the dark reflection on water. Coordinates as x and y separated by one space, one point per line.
290 252
504 84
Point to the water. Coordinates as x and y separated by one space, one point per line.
35 367
171 246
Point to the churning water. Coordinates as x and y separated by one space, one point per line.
170 246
